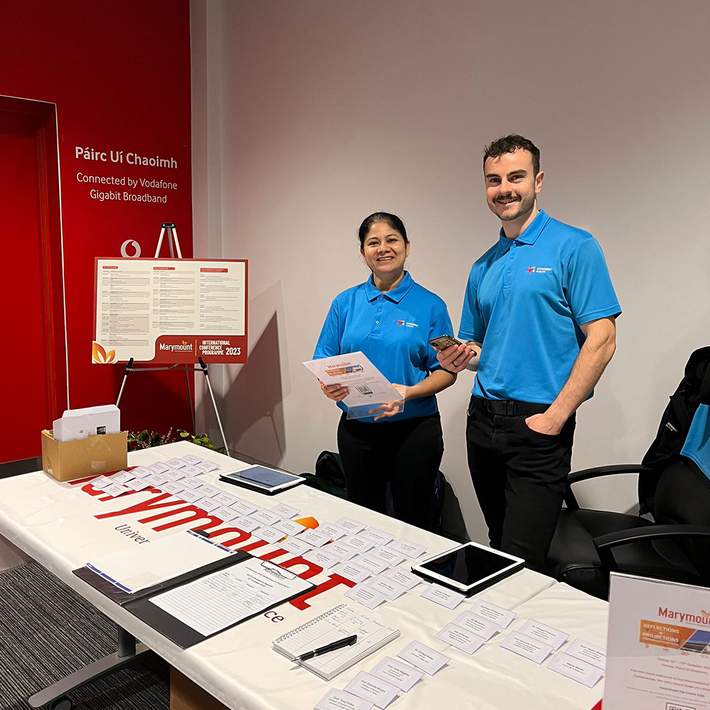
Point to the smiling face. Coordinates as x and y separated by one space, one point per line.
512 186
384 251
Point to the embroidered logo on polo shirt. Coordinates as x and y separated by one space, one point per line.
539 269
407 324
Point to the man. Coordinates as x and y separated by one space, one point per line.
541 308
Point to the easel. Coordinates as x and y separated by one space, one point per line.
174 247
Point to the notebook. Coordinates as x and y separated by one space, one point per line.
333 625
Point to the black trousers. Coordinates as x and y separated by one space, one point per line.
518 474
406 454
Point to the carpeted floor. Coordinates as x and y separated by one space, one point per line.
47 632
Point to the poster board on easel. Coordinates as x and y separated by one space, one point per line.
170 311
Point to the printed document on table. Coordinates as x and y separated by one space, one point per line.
147 564
224 598
367 385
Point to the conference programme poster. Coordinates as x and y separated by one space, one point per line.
168 311
658 645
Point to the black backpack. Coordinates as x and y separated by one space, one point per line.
329 474
694 389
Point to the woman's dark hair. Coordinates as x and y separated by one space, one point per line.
391 219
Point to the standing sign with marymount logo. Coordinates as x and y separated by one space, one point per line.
658 645
170 311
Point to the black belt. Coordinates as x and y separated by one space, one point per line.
508 407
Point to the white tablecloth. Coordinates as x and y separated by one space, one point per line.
63 526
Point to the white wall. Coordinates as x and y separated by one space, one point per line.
310 115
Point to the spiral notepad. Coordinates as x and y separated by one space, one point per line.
333 625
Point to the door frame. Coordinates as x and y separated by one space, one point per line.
51 229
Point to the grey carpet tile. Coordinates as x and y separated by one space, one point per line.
47 631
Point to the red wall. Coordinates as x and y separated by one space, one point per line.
119 73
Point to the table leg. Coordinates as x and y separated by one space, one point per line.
124 656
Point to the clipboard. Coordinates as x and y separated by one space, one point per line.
141 606
122 598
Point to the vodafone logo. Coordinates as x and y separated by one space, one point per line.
130 249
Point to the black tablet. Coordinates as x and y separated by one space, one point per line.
469 568
263 479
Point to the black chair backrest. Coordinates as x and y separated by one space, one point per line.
683 497
693 389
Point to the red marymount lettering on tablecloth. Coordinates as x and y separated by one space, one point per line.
163 501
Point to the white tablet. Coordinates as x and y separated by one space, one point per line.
468 568
263 479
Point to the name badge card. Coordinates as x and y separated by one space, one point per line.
388 587
342 700
314 538
423 657
441 595
526 647
398 673
411 550
377 536
497 614
391 557
369 687
246 523
586 652
543 632
352 571
460 638
573 668
284 511
477 625
352 526
370 598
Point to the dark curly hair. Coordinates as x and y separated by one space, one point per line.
509 144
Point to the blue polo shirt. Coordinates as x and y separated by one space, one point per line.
393 329
525 301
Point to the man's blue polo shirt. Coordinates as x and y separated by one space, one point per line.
393 329
525 301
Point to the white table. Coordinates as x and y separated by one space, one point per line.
57 525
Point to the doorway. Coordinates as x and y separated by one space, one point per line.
33 374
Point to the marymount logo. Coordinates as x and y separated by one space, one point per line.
183 347
101 356
702 619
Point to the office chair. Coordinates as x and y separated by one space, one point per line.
674 487
588 544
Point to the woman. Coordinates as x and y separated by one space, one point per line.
391 319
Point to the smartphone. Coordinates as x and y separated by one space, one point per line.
442 342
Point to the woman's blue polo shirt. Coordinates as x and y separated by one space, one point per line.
393 329
525 301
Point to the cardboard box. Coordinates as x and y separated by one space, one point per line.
186 695
67 460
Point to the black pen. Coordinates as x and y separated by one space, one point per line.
349 641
